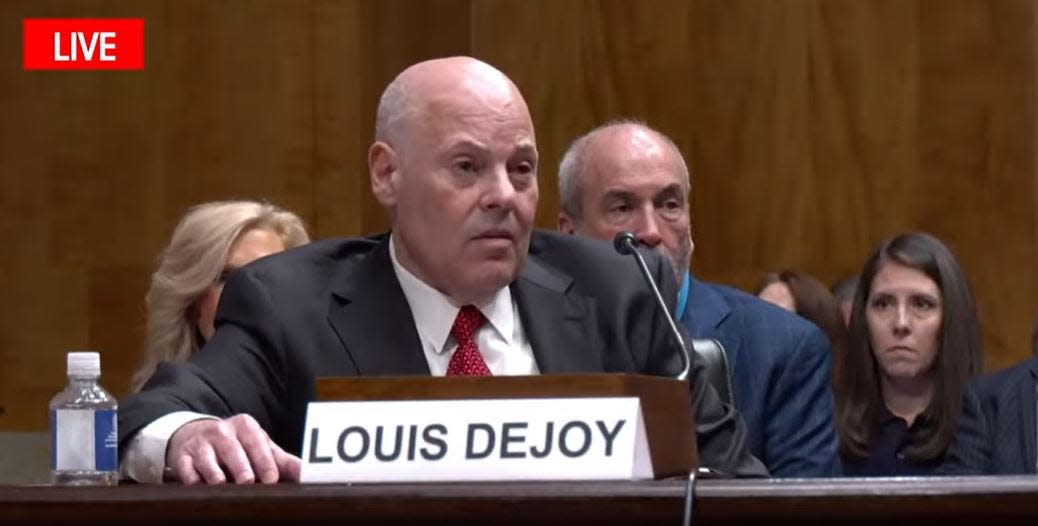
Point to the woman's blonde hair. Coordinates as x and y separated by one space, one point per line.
194 260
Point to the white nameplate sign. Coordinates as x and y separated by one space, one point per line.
455 440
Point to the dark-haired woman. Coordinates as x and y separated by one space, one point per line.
914 344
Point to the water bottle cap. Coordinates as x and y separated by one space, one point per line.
84 364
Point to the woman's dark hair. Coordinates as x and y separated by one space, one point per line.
959 357
813 301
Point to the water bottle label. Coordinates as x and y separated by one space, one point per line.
84 440
106 456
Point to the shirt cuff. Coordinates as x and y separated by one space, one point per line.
145 457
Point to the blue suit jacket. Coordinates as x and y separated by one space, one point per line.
996 434
780 368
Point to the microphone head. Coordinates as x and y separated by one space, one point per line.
625 242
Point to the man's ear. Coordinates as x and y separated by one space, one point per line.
383 168
566 225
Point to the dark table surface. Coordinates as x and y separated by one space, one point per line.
957 500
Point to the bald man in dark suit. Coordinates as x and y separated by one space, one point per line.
454 164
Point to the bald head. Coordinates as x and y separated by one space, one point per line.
421 88
606 146
625 176
455 164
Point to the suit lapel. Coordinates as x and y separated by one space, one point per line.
705 309
373 320
704 313
558 324
1027 416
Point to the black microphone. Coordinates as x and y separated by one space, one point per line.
626 243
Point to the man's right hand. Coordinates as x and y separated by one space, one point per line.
210 451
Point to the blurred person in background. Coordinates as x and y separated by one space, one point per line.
843 291
997 433
211 240
807 297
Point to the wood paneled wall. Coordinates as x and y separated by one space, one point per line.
813 128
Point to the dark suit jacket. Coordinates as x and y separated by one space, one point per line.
780 367
996 434
335 308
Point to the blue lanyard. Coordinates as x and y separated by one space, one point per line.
682 298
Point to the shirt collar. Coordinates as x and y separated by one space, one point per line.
886 416
434 312
679 310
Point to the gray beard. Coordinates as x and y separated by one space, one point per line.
680 267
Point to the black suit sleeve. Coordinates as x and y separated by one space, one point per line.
970 453
239 371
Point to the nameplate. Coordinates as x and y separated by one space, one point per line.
471 440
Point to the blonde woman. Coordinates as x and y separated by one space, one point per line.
210 241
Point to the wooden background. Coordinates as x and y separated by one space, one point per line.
813 128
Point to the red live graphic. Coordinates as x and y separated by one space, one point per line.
83 43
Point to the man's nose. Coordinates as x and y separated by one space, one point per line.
649 230
500 191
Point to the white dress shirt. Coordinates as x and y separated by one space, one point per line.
501 341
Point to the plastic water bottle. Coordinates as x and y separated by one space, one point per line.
83 434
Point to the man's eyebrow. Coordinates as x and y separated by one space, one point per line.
670 190
527 148
618 194
465 144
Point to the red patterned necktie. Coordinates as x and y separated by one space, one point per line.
467 360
